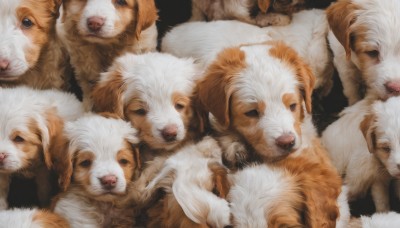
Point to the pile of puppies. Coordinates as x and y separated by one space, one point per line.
214 130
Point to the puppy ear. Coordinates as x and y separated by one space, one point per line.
56 7
146 15
367 128
303 71
263 5
220 179
341 15
107 94
215 90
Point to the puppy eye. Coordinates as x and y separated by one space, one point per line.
27 23
140 112
387 149
293 107
179 107
252 113
18 139
85 163
372 54
121 2
123 161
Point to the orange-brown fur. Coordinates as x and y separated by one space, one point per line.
50 220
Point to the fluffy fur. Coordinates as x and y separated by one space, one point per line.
198 40
261 96
364 146
102 163
390 219
32 218
366 46
31 125
98 31
30 52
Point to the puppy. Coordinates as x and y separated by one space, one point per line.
153 91
261 95
24 218
195 184
365 42
363 145
31 131
102 163
96 32
198 40
30 52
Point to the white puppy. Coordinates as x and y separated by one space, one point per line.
366 45
31 125
365 148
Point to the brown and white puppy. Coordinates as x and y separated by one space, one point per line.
366 45
102 161
30 52
24 218
31 124
97 31
260 95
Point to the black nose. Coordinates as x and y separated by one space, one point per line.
170 132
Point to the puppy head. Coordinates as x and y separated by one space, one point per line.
153 91
381 129
101 154
260 92
368 32
25 27
101 21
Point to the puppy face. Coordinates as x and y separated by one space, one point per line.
259 91
381 130
102 20
25 27
368 32
102 156
152 91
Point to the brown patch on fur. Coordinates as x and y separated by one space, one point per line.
303 71
220 179
107 95
131 155
81 174
263 5
146 15
341 15
48 219
368 130
290 99
214 91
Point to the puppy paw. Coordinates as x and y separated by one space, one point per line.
235 152
272 19
219 215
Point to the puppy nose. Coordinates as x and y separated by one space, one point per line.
95 23
4 64
109 181
393 87
285 141
169 132
2 157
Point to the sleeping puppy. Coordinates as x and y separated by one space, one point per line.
364 147
365 42
31 131
198 40
27 218
96 32
260 96
102 163
30 52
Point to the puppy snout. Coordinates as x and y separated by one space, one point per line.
393 87
95 23
3 156
4 63
286 141
170 132
109 182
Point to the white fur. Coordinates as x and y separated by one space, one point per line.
306 34
389 220
350 155
20 218
381 20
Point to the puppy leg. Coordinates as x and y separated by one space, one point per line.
43 186
272 19
4 185
380 195
350 78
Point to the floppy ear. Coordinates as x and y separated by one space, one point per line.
367 128
215 90
107 94
146 15
263 5
220 180
341 15
56 4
